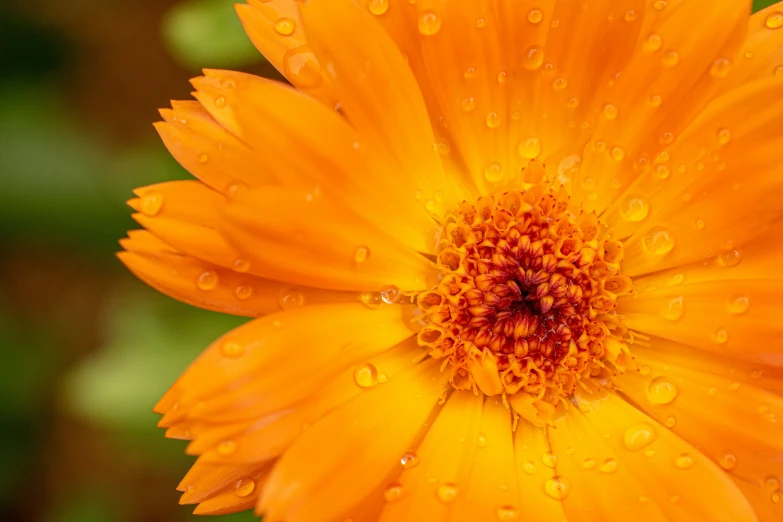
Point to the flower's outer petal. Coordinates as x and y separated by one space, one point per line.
306 145
762 499
724 179
207 150
446 454
598 486
534 473
724 411
732 317
381 97
220 489
762 55
492 490
310 241
672 474
238 377
329 467
276 30
178 275
658 93
267 437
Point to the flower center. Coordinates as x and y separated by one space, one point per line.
525 303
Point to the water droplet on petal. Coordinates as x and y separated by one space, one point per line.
635 208
724 136
207 280
685 461
220 102
774 20
409 460
653 43
530 148
730 258
371 300
493 172
534 16
720 68
549 459
721 336
361 254
393 492
528 467
378 7
739 304
640 435
588 463
468 104
506 513
662 390
557 488
366 375
232 349
226 448
670 421
241 265
203 158
659 241
728 461
391 294
447 493
493 120
482 441
285 26
243 292
290 299
559 84
670 59
151 203
533 57
429 23
610 111
674 310
617 153
609 466
245 487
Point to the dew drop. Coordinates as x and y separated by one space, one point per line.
559 84
700 224
243 292
378 7
609 466
617 153
661 171
361 254
778 70
505 513
662 390
659 241
301 67
588 463
670 59
653 43
728 461
285 26
674 309
533 58
220 102
650 453
245 487
468 104
371 300
730 258
684 461
721 336
610 111
630 16
656 100
640 435
390 294
720 68
393 492
481 23
232 349
645 370
670 421
549 459
207 280
290 299
493 120
771 483
447 493
557 488
470 73
774 20
677 279
409 460
241 265
534 16
528 467
429 23
493 172
383 378
203 158
739 304
151 203
226 448
482 441
734 386
775 497
756 374
530 148
635 208
660 5
366 375
724 136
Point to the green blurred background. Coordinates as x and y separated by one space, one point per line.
85 348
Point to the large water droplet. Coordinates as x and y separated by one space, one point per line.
207 280
534 16
557 488
429 23
635 207
533 57
662 390
366 375
588 463
530 148
774 20
659 241
378 7
241 265
493 120
653 43
391 294
245 487
640 435
285 26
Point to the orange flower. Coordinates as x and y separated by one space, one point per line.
513 260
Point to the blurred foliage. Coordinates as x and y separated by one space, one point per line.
208 34
761 4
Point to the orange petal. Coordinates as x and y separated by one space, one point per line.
310 241
205 479
309 146
762 55
309 483
276 30
381 98
762 498
203 284
446 455
657 94
652 475
267 437
206 150
534 471
723 410
724 177
233 380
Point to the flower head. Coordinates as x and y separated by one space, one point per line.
508 260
